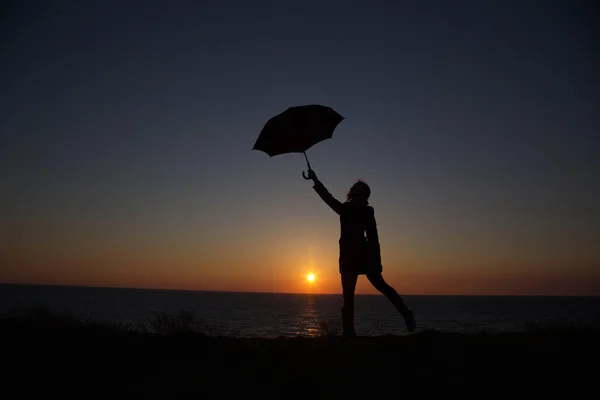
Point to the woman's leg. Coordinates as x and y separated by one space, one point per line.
380 284
348 288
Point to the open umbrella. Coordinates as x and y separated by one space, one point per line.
297 129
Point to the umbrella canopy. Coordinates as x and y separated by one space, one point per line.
297 129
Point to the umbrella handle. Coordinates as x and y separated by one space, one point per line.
307 163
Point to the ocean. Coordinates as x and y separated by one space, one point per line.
271 314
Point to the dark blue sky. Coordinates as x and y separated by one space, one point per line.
128 125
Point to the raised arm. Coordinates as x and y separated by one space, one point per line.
373 237
322 191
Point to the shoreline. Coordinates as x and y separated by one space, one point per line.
59 355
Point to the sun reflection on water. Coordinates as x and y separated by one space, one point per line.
309 319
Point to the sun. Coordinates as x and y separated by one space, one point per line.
310 277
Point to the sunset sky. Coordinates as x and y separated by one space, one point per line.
126 130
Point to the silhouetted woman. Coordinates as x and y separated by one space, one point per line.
359 254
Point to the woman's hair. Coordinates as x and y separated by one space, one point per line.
359 191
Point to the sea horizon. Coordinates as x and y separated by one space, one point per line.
290 293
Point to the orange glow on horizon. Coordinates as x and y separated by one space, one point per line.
150 269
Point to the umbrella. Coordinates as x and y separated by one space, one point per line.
297 129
